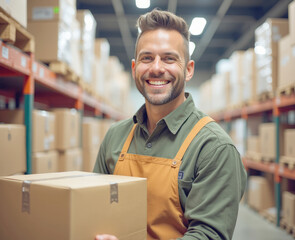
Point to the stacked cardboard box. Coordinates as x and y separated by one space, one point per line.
291 15
267 37
87 39
91 141
68 134
253 148
289 208
260 193
12 149
102 53
236 73
289 146
220 91
15 9
286 63
51 24
72 206
287 54
43 137
206 97
249 76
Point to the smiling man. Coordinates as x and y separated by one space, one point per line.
194 172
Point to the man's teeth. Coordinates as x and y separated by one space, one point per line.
158 82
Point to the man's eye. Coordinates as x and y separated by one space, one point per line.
146 58
169 59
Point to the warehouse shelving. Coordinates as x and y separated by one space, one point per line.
276 107
21 74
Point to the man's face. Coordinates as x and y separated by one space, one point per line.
160 71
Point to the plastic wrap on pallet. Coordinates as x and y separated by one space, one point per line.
267 36
75 63
286 71
102 49
88 29
220 91
205 103
291 16
236 78
249 76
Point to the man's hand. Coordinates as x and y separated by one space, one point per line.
105 237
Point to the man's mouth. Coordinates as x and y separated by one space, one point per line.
157 83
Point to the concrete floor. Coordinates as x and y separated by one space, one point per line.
251 226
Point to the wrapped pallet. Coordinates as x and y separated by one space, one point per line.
50 23
286 69
236 79
249 77
88 30
267 37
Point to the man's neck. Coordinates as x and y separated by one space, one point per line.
157 112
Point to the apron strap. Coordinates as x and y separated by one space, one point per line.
127 143
199 125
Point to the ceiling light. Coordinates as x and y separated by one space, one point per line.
197 26
142 3
192 47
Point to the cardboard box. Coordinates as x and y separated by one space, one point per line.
253 145
89 159
289 140
72 206
260 193
53 10
289 208
267 138
291 16
45 162
70 160
286 64
53 40
67 130
88 30
16 9
43 134
43 131
236 73
90 134
12 149
267 36
249 76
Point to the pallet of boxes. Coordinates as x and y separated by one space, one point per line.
13 19
286 84
267 37
57 35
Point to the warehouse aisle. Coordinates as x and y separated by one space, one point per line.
250 225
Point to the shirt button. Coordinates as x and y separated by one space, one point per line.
149 145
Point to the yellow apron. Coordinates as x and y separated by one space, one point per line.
165 218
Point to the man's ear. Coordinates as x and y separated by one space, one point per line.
133 68
190 69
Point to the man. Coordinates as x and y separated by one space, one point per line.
194 172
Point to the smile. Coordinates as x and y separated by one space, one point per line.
157 83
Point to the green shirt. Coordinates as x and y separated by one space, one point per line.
212 177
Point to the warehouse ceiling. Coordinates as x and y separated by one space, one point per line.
230 25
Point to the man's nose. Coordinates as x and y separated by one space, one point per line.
157 66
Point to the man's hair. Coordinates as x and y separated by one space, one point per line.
158 19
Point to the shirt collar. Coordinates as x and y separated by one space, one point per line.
173 120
